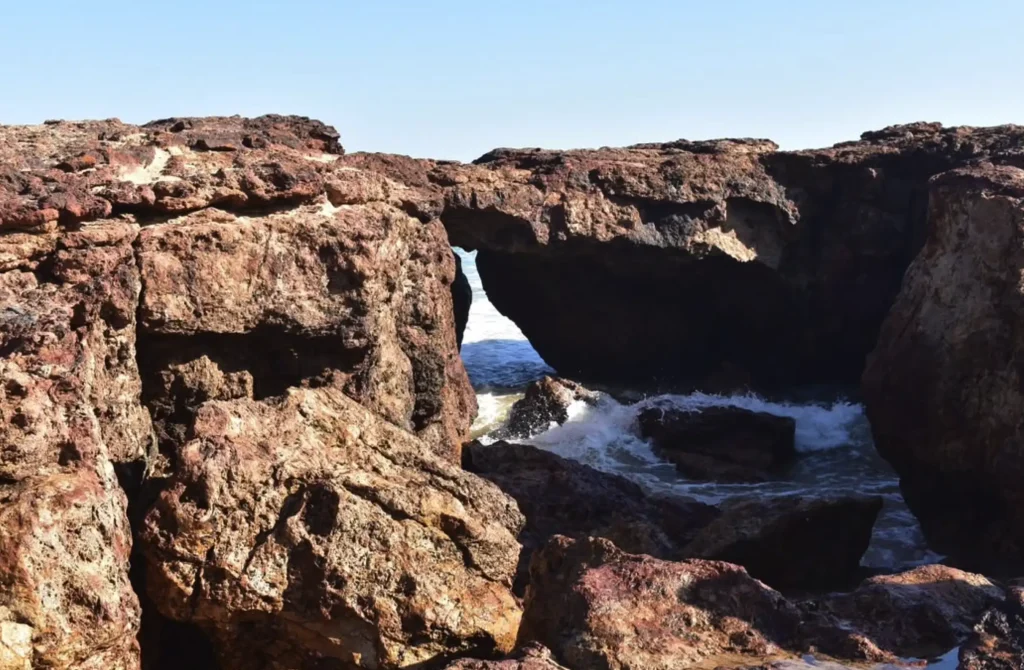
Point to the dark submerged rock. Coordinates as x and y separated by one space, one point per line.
795 543
720 443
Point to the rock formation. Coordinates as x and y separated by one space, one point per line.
559 496
943 390
249 341
922 613
69 409
307 528
595 607
672 261
193 261
727 444
792 542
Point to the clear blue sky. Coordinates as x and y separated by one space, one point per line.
454 78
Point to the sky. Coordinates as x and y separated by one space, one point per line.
456 78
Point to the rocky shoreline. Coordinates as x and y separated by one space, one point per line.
235 422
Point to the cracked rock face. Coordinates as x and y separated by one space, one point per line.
69 404
308 529
189 261
944 389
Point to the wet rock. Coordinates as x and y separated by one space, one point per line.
997 642
943 395
666 261
727 444
922 613
793 542
530 658
597 607
305 529
545 402
462 300
69 409
559 496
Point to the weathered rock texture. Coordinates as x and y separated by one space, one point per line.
921 613
792 542
597 607
260 252
69 406
944 389
197 260
559 496
672 261
307 529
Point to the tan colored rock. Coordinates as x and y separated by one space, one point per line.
356 296
307 528
943 391
69 407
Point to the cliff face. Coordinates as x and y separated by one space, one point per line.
250 341
148 272
675 261
944 388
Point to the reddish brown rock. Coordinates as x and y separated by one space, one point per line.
531 658
353 296
792 542
69 406
307 529
255 230
727 444
922 613
943 391
670 261
559 496
545 402
597 607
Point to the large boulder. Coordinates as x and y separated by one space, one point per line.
559 496
307 529
922 613
942 390
596 607
263 253
727 444
792 542
69 409
671 261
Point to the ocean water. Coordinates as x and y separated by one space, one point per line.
833 437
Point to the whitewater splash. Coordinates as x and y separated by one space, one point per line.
833 438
